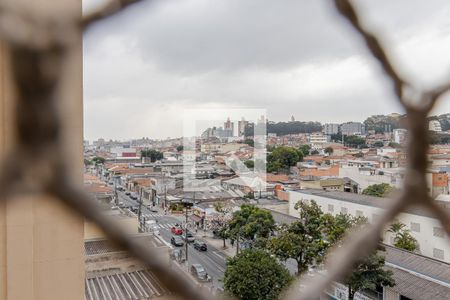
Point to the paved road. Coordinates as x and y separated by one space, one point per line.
213 260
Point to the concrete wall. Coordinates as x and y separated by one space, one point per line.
426 238
41 241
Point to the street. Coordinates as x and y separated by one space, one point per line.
213 260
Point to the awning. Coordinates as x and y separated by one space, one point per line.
195 218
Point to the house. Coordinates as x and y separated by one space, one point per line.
324 183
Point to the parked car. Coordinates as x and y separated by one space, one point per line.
133 196
199 272
127 193
178 255
176 230
200 245
177 241
188 237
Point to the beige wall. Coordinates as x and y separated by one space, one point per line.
92 231
41 241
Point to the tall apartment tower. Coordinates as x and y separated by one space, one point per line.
241 127
228 127
41 240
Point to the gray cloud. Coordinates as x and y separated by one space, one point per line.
290 57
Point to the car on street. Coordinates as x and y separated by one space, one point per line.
199 272
200 245
127 193
133 196
177 230
178 255
188 237
177 241
153 209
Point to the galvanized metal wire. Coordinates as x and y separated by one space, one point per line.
39 47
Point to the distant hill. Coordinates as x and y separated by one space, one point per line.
384 123
285 128
444 120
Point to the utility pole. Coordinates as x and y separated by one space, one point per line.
165 190
116 196
187 205
140 208
185 234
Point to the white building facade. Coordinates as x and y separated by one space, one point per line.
428 231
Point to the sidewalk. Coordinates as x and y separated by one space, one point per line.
217 243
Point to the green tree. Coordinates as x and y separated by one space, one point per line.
329 150
255 275
249 142
358 155
87 162
394 145
368 274
294 241
378 144
354 141
281 158
304 149
219 223
180 148
334 227
250 223
314 152
154 155
301 240
249 164
378 190
98 160
402 237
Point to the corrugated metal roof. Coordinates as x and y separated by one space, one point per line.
417 288
124 286
367 200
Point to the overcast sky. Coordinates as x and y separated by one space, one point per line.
291 57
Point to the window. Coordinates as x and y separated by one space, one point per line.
359 213
344 210
438 231
415 227
330 207
438 253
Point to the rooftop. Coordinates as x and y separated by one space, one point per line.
379 202
140 284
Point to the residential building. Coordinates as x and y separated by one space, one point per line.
427 230
319 171
228 126
317 140
326 184
400 135
241 127
331 128
353 128
438 183
435 125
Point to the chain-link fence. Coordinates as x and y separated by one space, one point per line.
39 45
